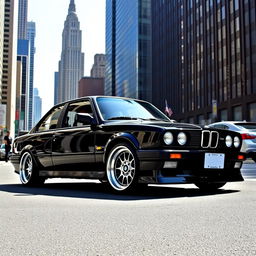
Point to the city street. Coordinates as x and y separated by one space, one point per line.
78 217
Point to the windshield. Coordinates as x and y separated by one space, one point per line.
128 109
248 126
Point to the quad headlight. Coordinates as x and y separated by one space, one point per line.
228 141
182 138
236 142
168 138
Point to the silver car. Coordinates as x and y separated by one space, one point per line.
248 132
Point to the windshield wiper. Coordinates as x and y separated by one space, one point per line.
122 118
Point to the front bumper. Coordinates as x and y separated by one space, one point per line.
189 168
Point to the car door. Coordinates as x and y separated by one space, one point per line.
41 138
73 145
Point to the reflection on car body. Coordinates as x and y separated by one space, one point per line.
125 142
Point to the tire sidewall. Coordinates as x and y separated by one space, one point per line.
34 178
134 182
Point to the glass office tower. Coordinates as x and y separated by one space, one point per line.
128 48
204 55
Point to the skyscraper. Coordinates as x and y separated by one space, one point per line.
8 93
37 107
204 55
128 48
22 19
71 65
98 68
1 42
31 34
56 85
23 57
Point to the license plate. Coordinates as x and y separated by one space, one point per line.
214 161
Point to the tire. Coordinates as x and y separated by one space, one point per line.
29 174
122 168
210 186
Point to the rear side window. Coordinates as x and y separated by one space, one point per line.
221 126
249 126
50 122
78 108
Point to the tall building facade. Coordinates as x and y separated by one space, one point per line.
99 66
22 109
22 19
90 86
56 85
31 34
167 45
128 48
214 56
1 42
71 65
8 92
37 107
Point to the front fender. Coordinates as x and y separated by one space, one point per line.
118 138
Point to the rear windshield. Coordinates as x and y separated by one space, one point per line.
248 126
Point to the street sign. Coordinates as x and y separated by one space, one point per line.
2 116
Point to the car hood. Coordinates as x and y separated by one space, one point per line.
160 125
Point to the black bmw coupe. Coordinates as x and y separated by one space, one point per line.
125 142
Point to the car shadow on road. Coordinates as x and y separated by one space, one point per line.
102 192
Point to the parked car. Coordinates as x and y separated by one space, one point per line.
248 134
2 151
125 142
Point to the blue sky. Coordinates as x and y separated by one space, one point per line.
49 16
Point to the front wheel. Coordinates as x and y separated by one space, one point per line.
122 167
28 172
213 186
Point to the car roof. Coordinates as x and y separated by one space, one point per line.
95 97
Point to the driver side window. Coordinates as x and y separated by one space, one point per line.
74 111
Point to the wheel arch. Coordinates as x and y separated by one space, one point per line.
32 151
120 138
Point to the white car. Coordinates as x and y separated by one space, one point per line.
248 132
2 151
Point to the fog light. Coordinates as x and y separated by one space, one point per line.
238 165
170 164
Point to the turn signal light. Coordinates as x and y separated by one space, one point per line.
240 157
175 156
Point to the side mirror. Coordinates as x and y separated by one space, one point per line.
84 119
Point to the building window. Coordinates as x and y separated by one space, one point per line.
223 115
191 120
252 112
201 120
237 113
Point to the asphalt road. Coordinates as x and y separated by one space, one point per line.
67 217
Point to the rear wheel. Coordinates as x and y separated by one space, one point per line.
213 186
28 172
122 167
